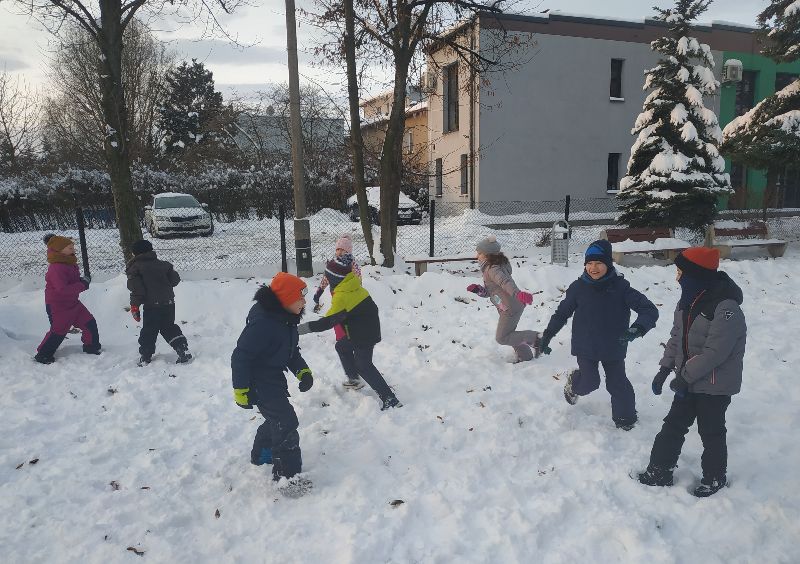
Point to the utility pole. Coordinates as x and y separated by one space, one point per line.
302 228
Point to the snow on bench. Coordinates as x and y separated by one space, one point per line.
756 233
655 240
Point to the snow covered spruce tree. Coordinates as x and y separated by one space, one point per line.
768 136
675 173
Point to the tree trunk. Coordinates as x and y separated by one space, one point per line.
356 141
116 116
391 166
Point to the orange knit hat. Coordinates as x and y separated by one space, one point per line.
58 243
700 262
288 288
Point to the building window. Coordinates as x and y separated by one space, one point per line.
745 92
784 79
439 177
409 142
451 98
464 175
790 188
612 180
616 79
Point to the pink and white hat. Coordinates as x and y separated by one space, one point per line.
345 243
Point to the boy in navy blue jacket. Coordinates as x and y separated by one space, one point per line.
602 300
267 347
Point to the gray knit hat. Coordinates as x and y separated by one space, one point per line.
488 246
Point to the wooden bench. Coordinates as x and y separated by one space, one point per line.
421 263
754 234
640 240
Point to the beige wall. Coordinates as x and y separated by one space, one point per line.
451 145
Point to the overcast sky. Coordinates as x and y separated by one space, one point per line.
24 44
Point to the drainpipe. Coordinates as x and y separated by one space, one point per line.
472 114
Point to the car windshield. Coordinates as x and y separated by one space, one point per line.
176 202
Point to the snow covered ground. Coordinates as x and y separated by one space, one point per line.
491 464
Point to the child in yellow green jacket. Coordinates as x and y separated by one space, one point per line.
362 328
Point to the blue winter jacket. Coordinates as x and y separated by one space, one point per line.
602 314
267 347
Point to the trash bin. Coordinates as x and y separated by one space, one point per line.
559 243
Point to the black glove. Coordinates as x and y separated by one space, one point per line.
679 386
544 343
633 332
658 381
86 280
306 381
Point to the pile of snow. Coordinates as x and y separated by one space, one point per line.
100 457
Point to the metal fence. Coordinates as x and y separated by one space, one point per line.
252 240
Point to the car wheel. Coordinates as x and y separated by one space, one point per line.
209 233
152 230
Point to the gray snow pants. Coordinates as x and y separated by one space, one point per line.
507 334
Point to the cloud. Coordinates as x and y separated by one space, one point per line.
223 52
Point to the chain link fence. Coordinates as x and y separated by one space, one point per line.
251 237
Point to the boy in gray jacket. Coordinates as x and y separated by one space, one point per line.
509 300
151 282
706 351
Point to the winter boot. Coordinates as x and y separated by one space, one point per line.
44 358
353 383
625 424
144 360
656 476
182 348
389 402
91 349
569 395
709 487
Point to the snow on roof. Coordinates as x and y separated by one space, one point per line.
170 194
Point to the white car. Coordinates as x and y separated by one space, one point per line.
177 214
407 212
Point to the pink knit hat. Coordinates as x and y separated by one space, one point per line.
345 243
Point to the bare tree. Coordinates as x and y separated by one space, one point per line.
19 123
75 126
399 32
105 21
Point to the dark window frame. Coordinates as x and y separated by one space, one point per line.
464 174
746 92
438 178
615 82
451 98
612 172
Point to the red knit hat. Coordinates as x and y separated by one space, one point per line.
288 288
699 262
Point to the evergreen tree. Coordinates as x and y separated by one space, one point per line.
191 109
675 173
768 136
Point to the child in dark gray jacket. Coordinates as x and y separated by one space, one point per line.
706 351
151 282
510 301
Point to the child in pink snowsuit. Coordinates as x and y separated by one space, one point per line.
63 285
339 267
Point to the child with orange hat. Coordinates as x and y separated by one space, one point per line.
706 352
267 347
63 285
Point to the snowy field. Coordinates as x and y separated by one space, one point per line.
99 457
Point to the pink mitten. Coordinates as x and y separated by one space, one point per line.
339 331
525 297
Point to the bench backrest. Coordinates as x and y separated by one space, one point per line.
754 230
637 234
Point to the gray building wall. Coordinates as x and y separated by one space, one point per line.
547 128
